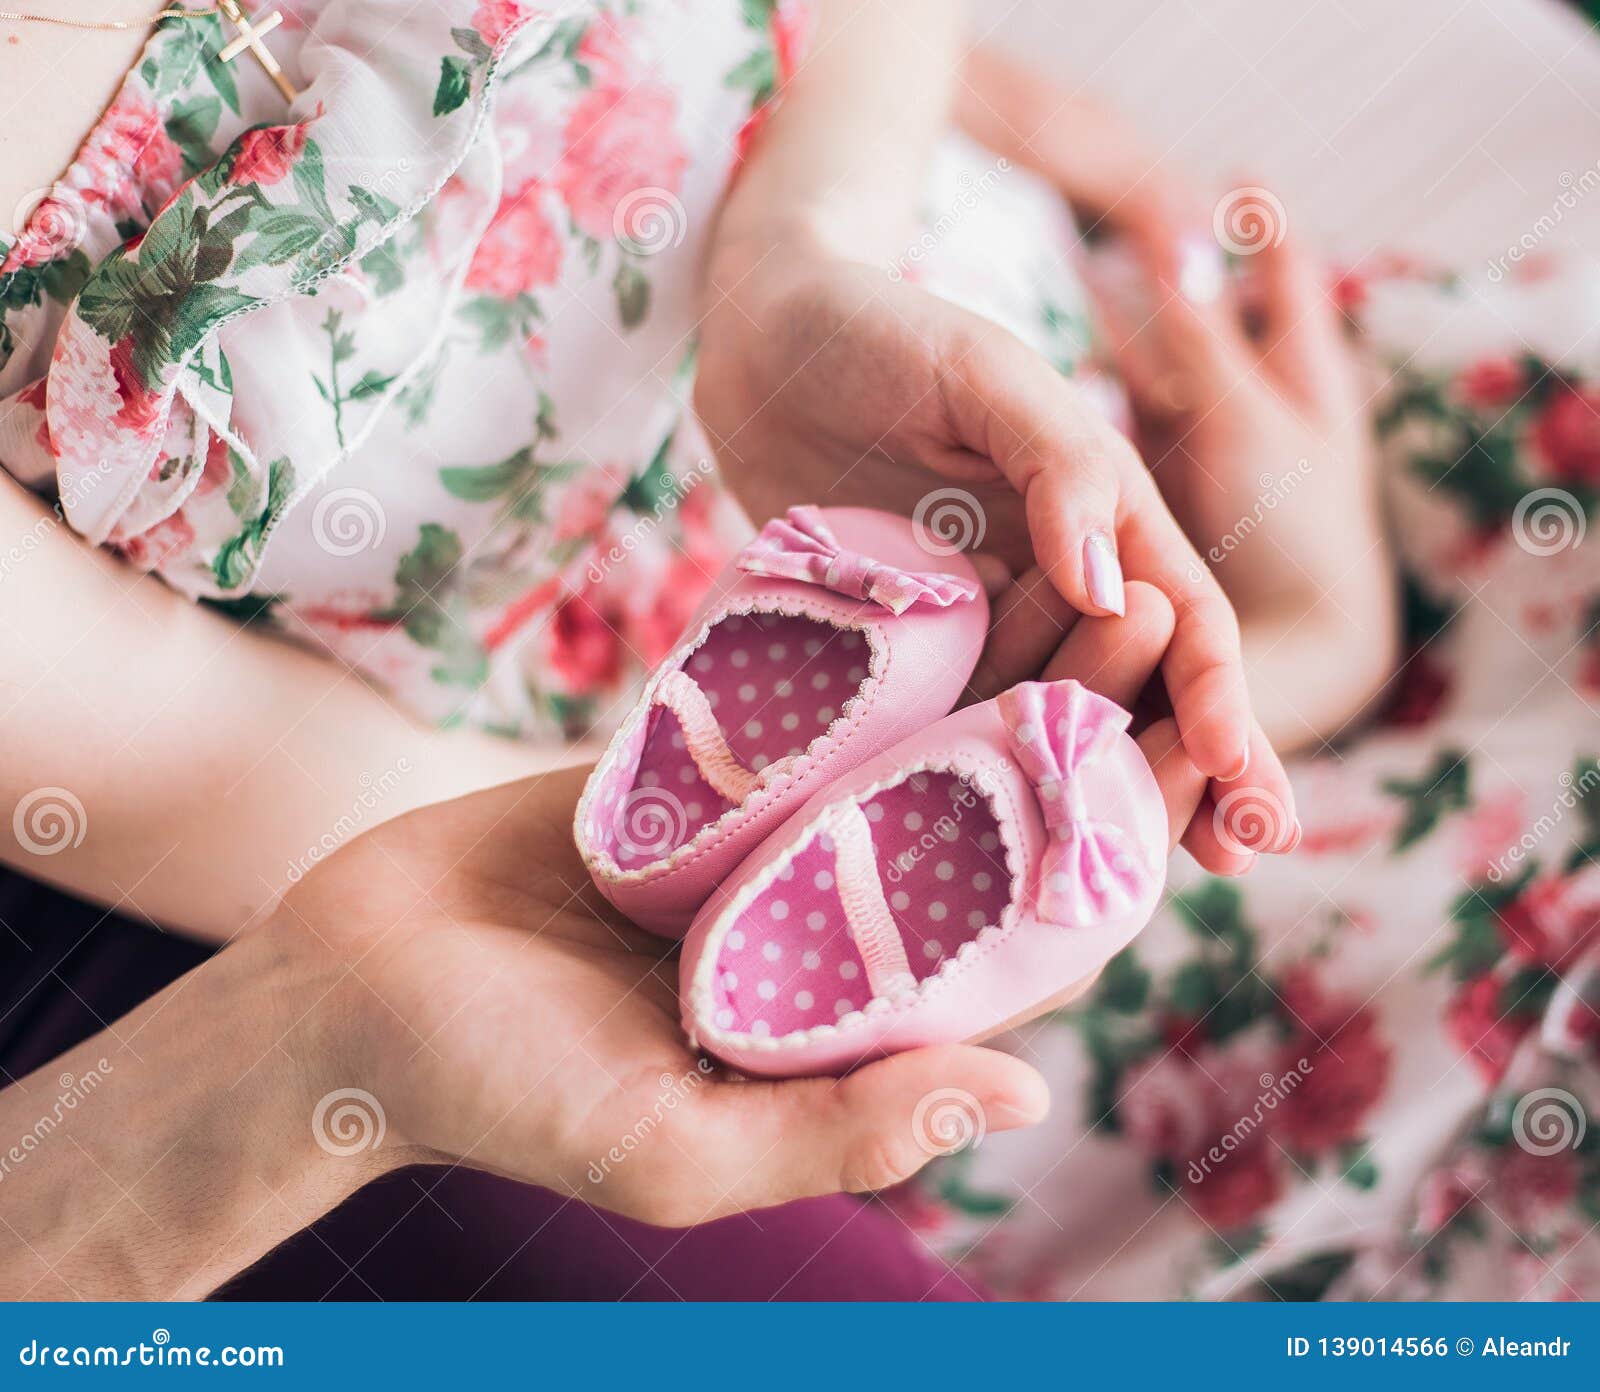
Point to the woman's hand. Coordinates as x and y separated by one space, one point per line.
1252 416
822 381
506 1017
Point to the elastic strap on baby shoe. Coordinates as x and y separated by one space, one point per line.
866 911
703 738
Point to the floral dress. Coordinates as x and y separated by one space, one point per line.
399 370
1371 1069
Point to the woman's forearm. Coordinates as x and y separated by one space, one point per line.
159 759
846 152
176 1147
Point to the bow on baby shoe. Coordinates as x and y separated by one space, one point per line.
801 546
1091 869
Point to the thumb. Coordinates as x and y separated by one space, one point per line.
872 1129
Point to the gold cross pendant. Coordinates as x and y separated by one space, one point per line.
249 37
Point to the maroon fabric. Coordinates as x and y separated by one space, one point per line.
67 969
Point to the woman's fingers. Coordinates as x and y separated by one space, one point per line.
1182 785
1030 620
755 1144
1093 516
1117 657
1300 331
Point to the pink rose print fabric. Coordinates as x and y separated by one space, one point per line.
399 371
1371 1070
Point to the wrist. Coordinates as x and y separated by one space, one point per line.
193 1153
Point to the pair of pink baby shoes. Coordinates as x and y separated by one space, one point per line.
859 870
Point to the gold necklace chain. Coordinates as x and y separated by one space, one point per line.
23 17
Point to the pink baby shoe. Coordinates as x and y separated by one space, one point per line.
951 886
834 634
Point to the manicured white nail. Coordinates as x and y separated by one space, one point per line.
1202 274
1102 572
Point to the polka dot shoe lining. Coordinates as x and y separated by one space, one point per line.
789 963
775 683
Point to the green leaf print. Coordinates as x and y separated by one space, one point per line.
485 483
953 1185
455 85
1357 1167
472 43
650 492
237 557
191 125
1445 787
1124 985
1478 942
633 295
431 614
757 74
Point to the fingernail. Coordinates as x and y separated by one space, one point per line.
1245 869
1007 1114
1238 769
1296 832
1201 271
1102 573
